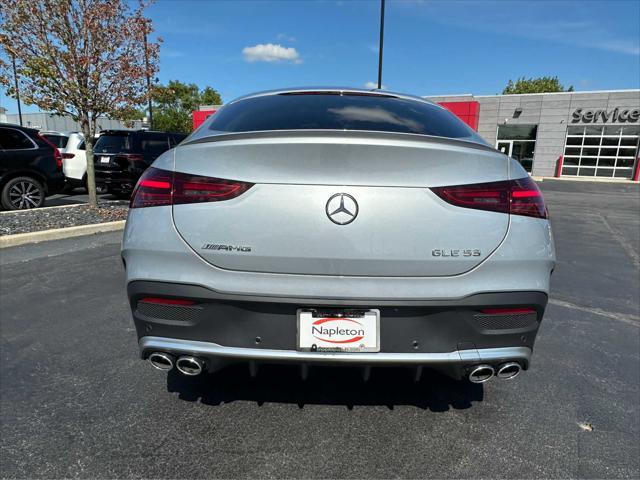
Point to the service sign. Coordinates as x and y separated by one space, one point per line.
617 115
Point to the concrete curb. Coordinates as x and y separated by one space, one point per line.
9 212
102 202
59 233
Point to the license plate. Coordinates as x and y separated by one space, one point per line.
338 331
104 159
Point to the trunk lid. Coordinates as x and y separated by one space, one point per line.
292 221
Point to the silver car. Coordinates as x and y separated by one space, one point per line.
338 227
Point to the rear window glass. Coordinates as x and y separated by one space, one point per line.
59 141
334 111
12 139
155 144
113 143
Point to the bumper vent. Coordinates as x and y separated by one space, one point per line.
176 313
512 321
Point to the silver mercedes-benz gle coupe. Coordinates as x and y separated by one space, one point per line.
337 227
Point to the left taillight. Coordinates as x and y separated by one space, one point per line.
56 153
516 197
158 187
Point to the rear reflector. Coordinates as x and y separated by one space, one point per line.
160 187
517 197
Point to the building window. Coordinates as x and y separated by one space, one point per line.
519 142
601 150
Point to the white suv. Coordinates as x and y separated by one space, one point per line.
74 158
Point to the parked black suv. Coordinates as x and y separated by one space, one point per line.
30 168
120 156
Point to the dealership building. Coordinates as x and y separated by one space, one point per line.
569 134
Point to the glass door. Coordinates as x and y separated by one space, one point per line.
519 142
505 147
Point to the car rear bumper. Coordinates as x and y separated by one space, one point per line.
213 351
451 335
55 183
117 180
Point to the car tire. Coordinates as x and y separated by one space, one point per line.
22 193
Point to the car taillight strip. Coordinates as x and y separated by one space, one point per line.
517 197
159 187
155 184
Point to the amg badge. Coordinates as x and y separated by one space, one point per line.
468 252
226 248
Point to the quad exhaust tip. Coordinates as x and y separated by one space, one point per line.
161 361
509 370
190 366
481 373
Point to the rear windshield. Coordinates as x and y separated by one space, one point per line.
155 144
59 141
113 143
335 111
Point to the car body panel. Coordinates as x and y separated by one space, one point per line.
75 168
522 262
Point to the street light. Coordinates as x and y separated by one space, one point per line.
381 44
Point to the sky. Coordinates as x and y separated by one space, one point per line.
430 48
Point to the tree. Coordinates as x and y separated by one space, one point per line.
175 102
83 58
535 85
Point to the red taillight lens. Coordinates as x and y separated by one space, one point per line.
56 153
526 199
159 187
153 189
68 155
517 197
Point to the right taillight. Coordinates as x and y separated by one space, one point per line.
517 197
158 187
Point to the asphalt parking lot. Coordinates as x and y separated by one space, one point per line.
79 195
77 402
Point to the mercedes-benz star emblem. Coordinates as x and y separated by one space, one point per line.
342 208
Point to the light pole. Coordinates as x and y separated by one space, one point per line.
381 44
15 80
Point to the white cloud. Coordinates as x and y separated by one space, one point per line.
374 85
269 52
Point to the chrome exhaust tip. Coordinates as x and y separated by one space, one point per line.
509 370
161 361
481 373
191 366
